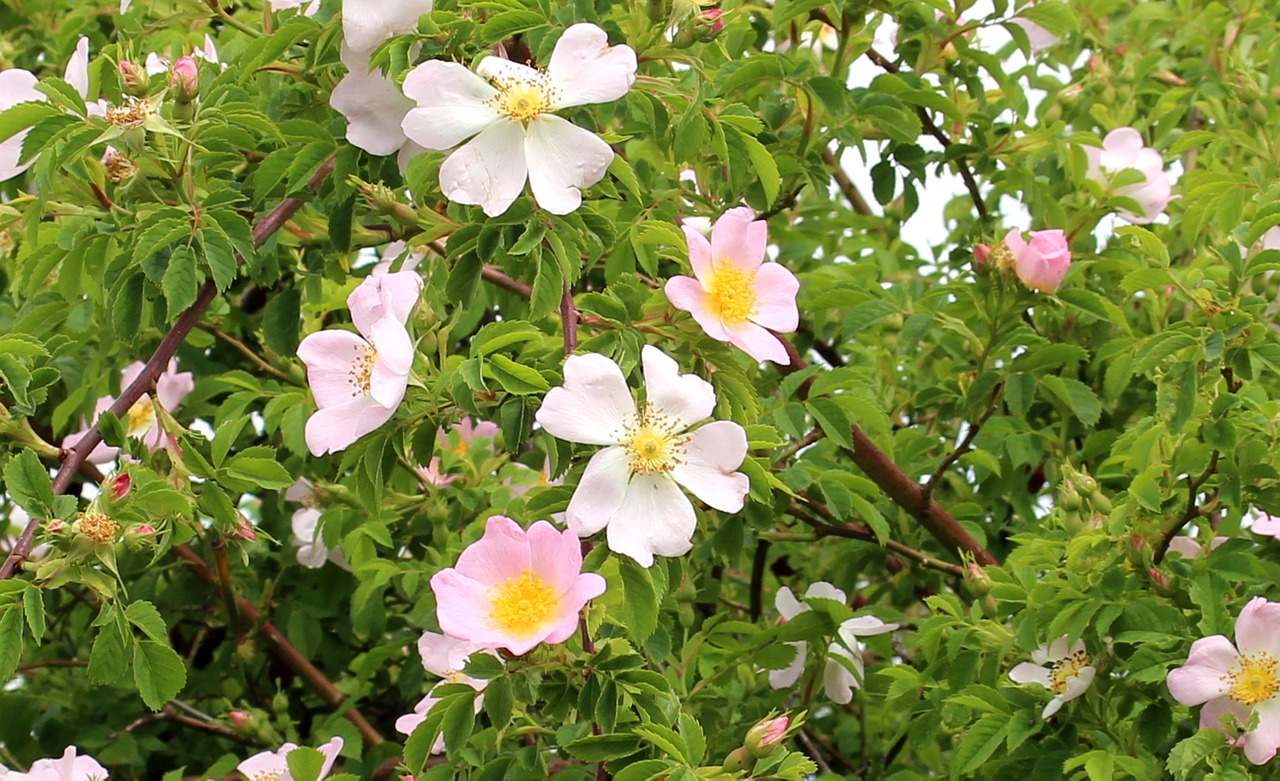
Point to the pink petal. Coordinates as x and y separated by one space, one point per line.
592 406
563 160
453 104
130 373
699 252
1120 148
330 357
173 386
739 238
330 751
501 553
442 655
687 294
462 607
1201 678
489 170
600 492
1266 524
336 428
686 398
707 470
758 342
390 375
556 556
776 289
1260 744
1186 546
586 587
1258 628
654 518
585 69
264 763
1213 711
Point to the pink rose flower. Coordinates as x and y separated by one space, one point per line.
1042 263
1191 548
1240 680
141 421
273 765
514 589
737 297
1267 525
444 657
359 379
1121 150
68 767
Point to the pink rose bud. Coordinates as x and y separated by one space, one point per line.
713 15
1042 263
56 526
119 486
243 531
133 77
239 718
763 738
981 254
145 528
184 77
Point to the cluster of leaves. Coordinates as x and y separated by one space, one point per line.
1070 436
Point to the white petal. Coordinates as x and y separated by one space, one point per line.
453 104
838 680
563 160
1030 673
489 170
787 676
600 492
821 589
585 69
1051 707
787 604
711 455
592 406
367 23
373 106
863 626
655 518
77 73
501 70
685 397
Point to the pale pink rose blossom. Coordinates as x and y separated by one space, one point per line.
68 767
737 297
444 657
507 108
432 474
1042 263
273 765
1238 681
359 379
1191 548
514 589
838 679
632 486
140 422
459 437
1267 525
1121 150
1068 673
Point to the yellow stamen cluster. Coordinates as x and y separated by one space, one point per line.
652 442
131 114
362 371
119 168
733 293
98 528
523 604
1255 678
265 775
524 99
1065 669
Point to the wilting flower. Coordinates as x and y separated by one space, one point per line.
516 135
1068 674
141 421
1240 681
68 767
838 680
444 657
737 297
632 486
272 765
1042 263
359 379
1121 150
514 589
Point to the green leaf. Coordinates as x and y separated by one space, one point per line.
158 671
180 281
145 617
1187 758
498 701
517 378
640 600
27 481
763 164
10 642
281 321
23 116
263 472
108 662
978 743
507 24
833 420
304 763
1076 396
33 607
665 739
601 748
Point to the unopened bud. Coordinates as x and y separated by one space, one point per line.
1160 581
976 580
1069 497
738 759
239 718
184 77
243 531
56 526
764 737
119 486
133 78
981 254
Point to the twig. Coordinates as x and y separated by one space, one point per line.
569 318
1193 489
757 579
961 448
855 531
846 185
244 350
496 276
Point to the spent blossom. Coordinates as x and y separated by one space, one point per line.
632 486
734 295
359 379
1123 150
1239 682
508 109
273 765
142 420
444 657
514 589
1064 669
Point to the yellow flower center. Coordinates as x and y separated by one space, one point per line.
98 528
454 676
652 443
522 605
142 416
362 370
733 293
524 99
1255 679
131 114
1065 669
266 775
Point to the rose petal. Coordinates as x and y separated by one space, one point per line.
563 160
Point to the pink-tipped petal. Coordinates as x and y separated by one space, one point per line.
739 238
592 406
1201 678
712 454
563 160
686 398
584 68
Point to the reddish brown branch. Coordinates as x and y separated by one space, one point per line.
496 276
569 317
